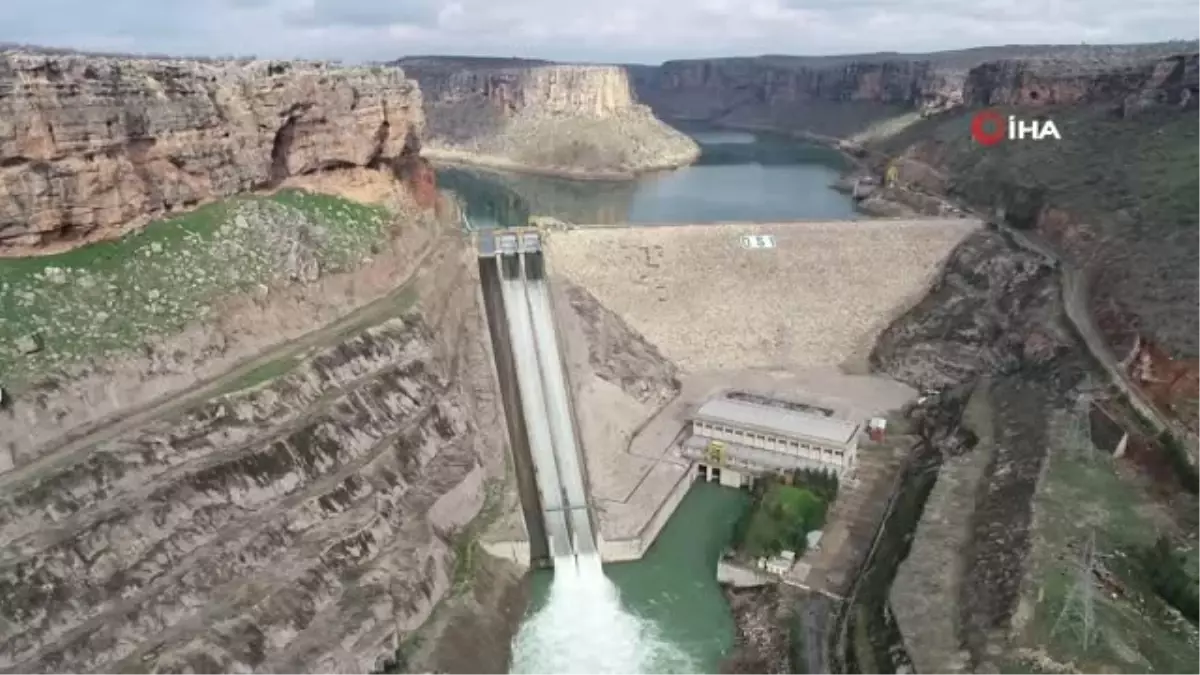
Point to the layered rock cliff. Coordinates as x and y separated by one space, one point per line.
301 523
301 526
276 485
837 96
90 145
565 119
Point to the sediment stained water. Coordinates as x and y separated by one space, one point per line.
662 614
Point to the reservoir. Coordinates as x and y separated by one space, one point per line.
740 176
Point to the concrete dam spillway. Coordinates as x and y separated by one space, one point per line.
583 626
545 406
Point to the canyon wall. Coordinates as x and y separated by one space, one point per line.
278 485
90 145
298 527
837 96
786 94
574 120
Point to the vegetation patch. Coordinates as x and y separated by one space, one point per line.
784 514
111 296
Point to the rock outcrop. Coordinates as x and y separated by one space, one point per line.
90 145
581 121
994 310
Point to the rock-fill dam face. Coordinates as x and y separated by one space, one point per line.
90 145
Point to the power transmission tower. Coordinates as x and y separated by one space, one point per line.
1079 428
1078 612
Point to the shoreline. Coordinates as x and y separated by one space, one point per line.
503 164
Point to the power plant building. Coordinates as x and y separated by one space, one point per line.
734 440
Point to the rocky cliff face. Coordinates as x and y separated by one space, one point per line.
89 145
824 99
837 96
1039 82
296 526
577 120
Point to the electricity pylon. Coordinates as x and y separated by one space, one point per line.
1079 428
1079 610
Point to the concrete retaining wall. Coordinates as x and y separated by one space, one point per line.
742 577
625 550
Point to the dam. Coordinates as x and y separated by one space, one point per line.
795 320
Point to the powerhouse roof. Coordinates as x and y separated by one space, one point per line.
776 420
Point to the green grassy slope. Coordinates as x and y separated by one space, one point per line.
111 295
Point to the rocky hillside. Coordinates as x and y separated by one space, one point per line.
183 507
565 119
1116 198
298 526
91 145
249 436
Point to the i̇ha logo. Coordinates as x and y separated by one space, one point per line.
989 127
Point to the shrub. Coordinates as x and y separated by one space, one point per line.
1167 571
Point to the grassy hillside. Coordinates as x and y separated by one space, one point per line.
1132 182
113 295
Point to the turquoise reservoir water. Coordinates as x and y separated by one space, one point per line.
740 177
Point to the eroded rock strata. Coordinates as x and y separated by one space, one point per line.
837 96
90 145
582 121
299 526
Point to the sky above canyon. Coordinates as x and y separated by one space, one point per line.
643 31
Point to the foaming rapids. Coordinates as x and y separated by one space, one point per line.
584 629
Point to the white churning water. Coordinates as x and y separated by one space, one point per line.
583 628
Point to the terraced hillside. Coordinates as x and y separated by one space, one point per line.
268 529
